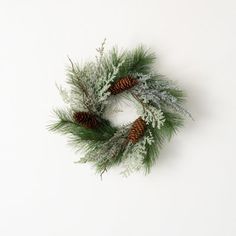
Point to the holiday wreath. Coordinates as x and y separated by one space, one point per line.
128 73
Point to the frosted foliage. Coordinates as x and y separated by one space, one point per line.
154 117
74 100
157 93
104 81
110 148
171 101
91 83
65 94
134 155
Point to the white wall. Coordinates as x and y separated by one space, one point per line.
191 191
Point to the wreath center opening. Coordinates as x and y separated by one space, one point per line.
121 111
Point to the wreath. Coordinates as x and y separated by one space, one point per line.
92 86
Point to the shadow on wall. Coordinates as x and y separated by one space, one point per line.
196 103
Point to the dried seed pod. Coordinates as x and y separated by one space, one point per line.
123 84
137 130
86 119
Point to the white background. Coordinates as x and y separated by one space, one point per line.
191 190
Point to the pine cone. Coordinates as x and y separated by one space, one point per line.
137 130
122 84
86 119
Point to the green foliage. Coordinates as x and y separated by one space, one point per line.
135 61
140 61
66 125
173 122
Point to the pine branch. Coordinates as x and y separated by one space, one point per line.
66 125
140 60
173 122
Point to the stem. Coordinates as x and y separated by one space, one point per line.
143 104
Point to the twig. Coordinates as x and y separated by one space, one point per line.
105 169
143 104
83 87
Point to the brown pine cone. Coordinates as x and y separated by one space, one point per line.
86 119
122 84
137 130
